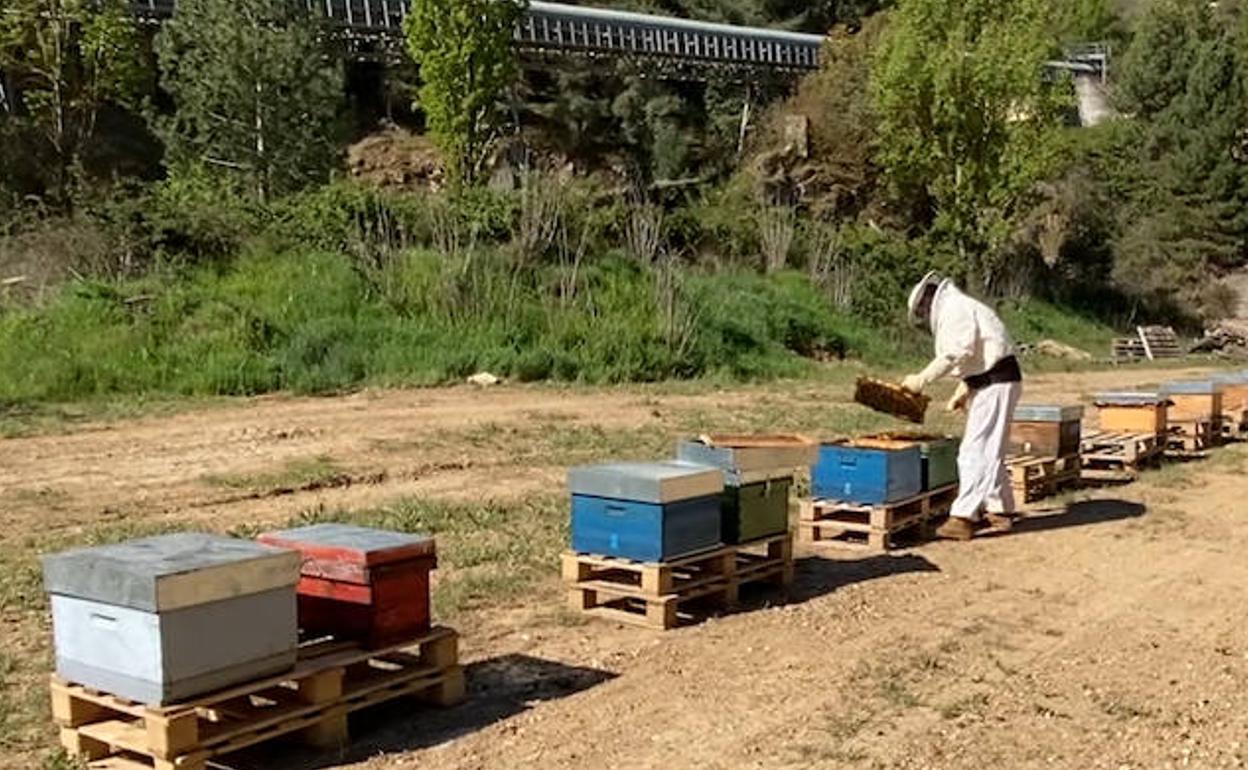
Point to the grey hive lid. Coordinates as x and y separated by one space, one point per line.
1231 378
745 459
1129 398
1047 413
168 572
1191 387
659 482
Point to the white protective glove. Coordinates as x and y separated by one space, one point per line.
960 396
915 383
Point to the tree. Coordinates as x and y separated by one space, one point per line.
1185 212
1163 49
63 62
256 92
463 48
966 117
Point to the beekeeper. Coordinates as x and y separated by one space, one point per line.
973 345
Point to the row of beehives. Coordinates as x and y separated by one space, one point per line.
167 618
729 490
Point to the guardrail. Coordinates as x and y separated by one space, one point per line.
559 28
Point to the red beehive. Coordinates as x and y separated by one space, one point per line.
370 585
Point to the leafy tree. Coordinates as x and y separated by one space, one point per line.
463 48
257 95
966 120
1087 21
64 61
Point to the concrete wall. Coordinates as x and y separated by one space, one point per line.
1094 106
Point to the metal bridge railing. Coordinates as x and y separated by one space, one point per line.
555 28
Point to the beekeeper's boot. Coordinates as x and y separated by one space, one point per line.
957 528
1001 522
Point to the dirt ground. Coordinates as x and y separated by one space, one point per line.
1107 631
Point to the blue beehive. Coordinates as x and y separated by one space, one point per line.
868 472
645 511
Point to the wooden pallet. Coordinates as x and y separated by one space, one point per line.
1160 342
661 595
310 702
1150 342
1235 424
1113 456
1035 478
874 527
1128 349
1193 437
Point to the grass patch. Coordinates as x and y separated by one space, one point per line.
488 552
299 473
1031 321
318 322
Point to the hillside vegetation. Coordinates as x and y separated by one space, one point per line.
171 233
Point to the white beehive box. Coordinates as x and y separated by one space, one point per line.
167 618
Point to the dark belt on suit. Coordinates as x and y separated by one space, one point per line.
1005 370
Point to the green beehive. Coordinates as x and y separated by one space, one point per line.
940 457
940 462
755 511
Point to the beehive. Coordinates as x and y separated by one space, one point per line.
645 511
359 583
1042 430
166 618
1234 390
758 471
1132 412
867 471
749 459
939 454
1193 400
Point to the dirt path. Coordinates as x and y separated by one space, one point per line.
1110 635
227 465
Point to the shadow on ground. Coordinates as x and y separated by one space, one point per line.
1078 514
818 576
498 688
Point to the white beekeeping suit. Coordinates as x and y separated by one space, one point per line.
973 345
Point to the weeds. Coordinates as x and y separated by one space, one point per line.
299 473
777 228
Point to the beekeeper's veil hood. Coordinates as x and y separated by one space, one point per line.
920 303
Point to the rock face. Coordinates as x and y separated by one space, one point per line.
396 159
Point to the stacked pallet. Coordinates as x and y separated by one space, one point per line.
309 703
1160 342
1150 343
876 528
177 649
1045 445
872 492
661 595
